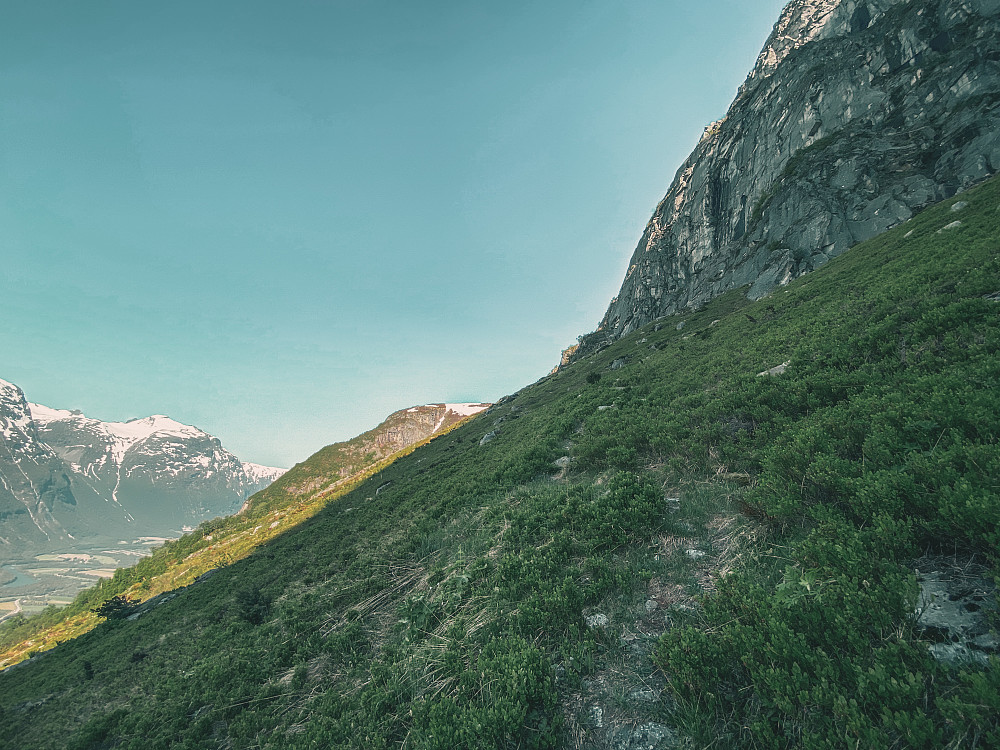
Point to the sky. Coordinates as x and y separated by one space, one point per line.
282 221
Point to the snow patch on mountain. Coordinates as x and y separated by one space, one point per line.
16 419
463 410
467 410
260 474
140 429
119 436
45 414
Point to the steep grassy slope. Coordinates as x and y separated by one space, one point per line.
299 494
340 461
489 594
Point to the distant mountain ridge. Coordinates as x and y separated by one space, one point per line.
340 461
67 477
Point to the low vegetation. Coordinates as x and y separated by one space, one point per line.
215 543
480 595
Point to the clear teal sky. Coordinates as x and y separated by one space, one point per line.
281 221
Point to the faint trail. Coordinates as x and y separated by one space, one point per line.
15 611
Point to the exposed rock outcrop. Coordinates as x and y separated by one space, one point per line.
857 114
955 610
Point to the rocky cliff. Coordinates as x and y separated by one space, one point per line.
857 114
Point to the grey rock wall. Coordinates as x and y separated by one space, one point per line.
857 114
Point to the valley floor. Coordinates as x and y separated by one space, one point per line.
33 583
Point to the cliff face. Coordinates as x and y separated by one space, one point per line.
857 114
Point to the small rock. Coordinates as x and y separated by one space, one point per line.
618 363
694 554
598 621
651 605
673 504
954 611
957 654
680 326
905 236
597 717
995 297
647 736
563 462
489 437
643 340
776 370
646 696
947 227
959 205
605 408
712 324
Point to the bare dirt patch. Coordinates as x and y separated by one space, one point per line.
622 703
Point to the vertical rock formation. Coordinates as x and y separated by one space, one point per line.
856 114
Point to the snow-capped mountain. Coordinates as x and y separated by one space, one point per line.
34 484
146 477
262 475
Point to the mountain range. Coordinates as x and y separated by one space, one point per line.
68 479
